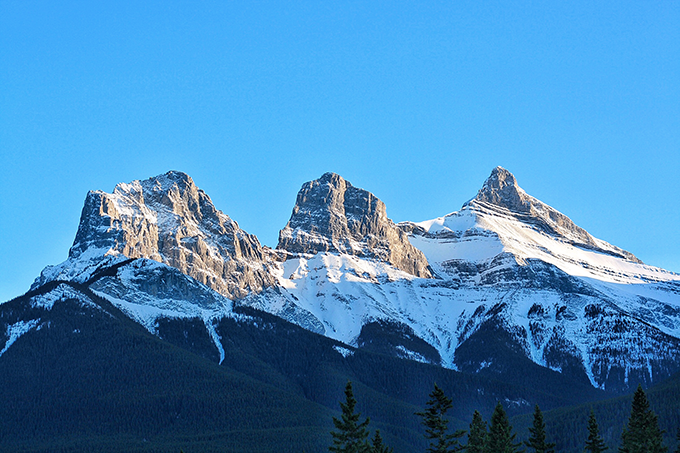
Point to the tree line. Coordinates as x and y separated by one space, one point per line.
351 435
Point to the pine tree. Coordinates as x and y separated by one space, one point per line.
537 438
500 438
594 443
642 435
436 425
476 435
677 437
377 444
351 436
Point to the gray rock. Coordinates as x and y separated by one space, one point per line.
331 215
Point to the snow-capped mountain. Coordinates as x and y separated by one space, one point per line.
504 280
507 266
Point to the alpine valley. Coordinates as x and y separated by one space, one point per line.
169 327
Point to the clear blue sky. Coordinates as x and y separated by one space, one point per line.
414 101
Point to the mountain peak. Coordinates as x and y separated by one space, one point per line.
501 189
330 177
168 219
173 177
331 215
500 178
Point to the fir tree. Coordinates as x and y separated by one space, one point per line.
351 436
377 444
436 425
594 443
500 438
642 435
476 435
537 439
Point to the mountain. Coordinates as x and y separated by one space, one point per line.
505 278
83 370
504 300
514 279
169 220
331 215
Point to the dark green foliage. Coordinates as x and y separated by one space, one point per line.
642 435
436 424
594 443
537 440
90 379
377 445
500 438
351 436
476 435
677 437
383 337
568 426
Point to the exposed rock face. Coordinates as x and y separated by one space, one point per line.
168 219
501 191
331 215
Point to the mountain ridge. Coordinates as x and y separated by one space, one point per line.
506 264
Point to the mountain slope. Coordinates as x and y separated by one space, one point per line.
82 369
83 376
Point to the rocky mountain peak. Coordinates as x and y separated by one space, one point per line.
501 189
501 194
331 215
168 219
332 178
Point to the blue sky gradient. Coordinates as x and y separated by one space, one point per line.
414 101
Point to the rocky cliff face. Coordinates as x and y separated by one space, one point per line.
170 220
331 215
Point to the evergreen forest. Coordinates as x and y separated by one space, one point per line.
641 433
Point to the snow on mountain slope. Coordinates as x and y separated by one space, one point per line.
15 331
147 290
478 234
552 325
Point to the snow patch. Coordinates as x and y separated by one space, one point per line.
16 330
343 351
411 355
210 325
60 293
